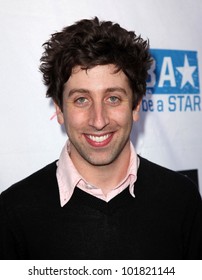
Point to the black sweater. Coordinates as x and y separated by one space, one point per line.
163 221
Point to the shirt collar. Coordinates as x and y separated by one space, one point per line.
68 177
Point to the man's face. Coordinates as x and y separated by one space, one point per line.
97 114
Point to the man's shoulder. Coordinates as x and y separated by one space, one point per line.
161 172
39 182
161 179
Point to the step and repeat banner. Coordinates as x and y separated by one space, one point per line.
169 131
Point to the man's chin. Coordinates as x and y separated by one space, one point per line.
101 161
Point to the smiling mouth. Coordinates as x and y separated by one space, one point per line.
100 141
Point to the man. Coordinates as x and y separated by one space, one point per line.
100 200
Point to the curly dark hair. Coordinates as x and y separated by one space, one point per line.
89 43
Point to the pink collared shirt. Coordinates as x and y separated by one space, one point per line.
68 178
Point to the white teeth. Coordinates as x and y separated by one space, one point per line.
98 139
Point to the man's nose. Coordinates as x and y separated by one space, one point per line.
98 116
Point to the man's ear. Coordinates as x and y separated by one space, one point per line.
136 111
59 114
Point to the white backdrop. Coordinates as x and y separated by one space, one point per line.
29 140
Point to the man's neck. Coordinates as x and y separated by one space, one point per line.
105 177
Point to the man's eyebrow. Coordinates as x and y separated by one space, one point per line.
119 89
77 90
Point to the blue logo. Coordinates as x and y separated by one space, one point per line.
173 82
173 72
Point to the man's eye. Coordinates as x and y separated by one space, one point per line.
81 100
114 99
